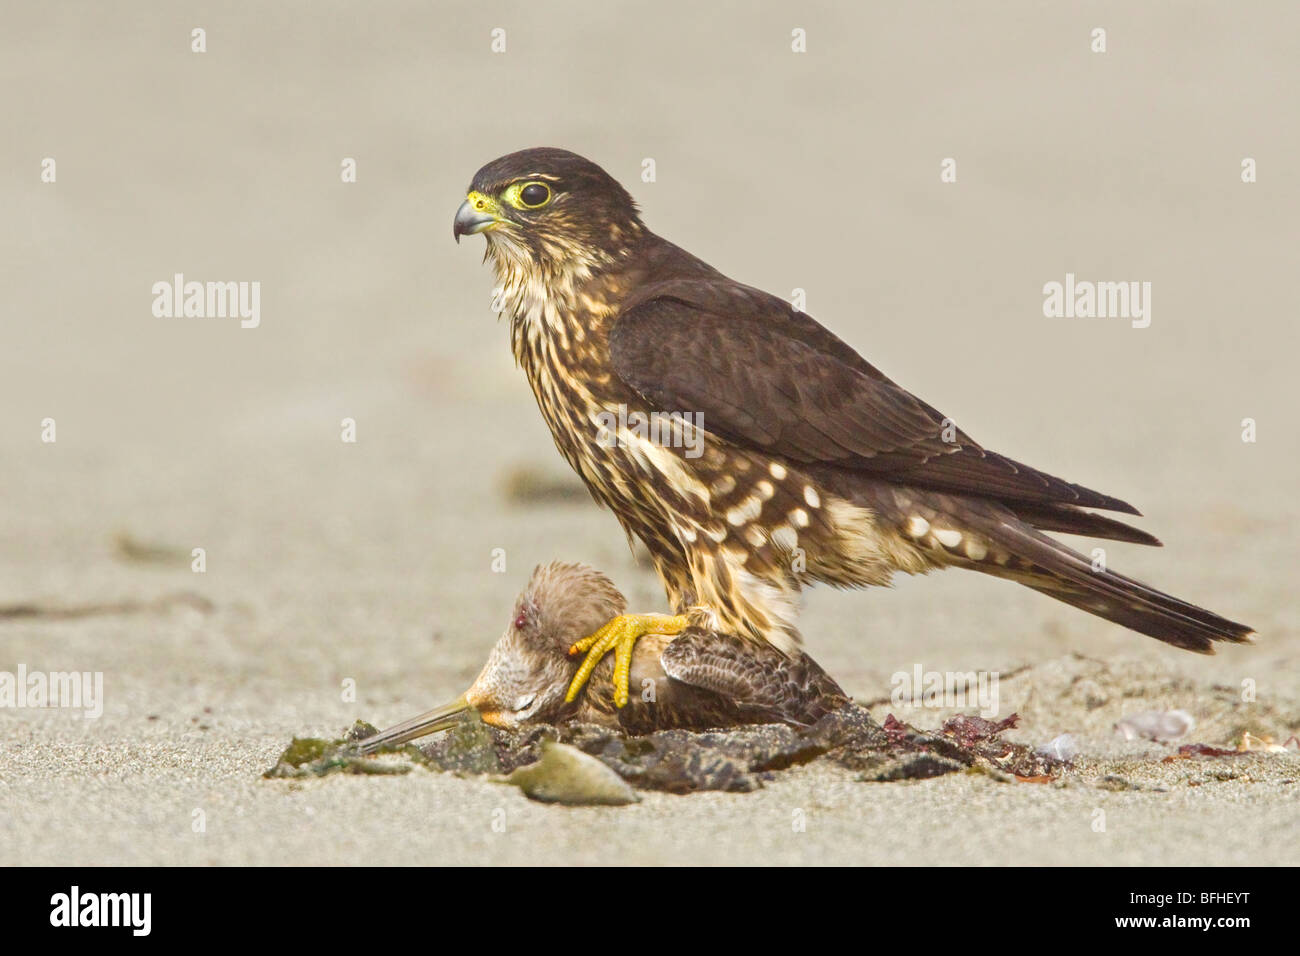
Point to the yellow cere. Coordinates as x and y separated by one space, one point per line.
483 203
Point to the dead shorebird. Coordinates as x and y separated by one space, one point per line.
694 679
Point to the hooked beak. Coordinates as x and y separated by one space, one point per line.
476 214
440 718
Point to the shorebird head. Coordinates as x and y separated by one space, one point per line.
528 671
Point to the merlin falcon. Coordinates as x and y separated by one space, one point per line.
789 459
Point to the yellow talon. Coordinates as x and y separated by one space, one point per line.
620 634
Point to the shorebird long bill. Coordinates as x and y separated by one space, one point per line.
440 718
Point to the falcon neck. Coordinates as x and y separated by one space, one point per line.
562 317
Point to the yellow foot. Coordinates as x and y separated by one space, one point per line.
620 634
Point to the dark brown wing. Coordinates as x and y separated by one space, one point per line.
757 680
765 376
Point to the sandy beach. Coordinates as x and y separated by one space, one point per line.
355 580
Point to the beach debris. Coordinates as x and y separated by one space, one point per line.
1061 747
742 759
1156 725
1187 751
316 757
1249 744
1252 744
970 729
734 760
921 766
565 774
467 748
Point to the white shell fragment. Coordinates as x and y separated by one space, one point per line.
567 775
1156 725
1062 747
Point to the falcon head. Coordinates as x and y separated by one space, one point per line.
550 208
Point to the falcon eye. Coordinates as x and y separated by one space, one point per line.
534 195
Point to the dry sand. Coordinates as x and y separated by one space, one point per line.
371 562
